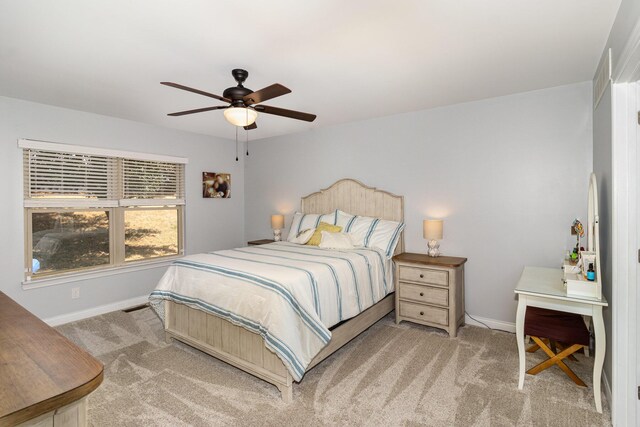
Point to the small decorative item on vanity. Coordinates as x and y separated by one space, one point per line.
277 224
587 258
432 231
578 229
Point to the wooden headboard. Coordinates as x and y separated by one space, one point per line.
356 198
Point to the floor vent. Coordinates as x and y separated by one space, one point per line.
135 308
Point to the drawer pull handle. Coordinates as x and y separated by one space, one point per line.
422 313
421 294
422 276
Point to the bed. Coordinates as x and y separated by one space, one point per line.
198 314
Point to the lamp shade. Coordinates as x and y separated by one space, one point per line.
277 222
239 116
432 229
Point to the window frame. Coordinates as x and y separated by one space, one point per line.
180 213
117 261
28 213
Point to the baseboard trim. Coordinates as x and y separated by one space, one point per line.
132 302
96 311
491 323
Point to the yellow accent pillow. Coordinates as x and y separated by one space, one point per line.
323 226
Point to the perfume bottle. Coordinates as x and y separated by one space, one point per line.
591 274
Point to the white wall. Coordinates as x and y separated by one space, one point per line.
508 174
210 224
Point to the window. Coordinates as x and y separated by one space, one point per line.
90 208
150 233
69 240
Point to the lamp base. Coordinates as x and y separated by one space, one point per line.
433 248
276 235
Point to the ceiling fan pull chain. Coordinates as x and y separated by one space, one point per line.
236 143
247 130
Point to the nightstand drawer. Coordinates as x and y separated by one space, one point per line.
424 275
428 294
424 313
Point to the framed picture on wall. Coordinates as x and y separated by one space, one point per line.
216 185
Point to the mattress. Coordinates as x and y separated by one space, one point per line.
290 294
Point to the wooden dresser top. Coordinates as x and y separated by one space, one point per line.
40 370
440 261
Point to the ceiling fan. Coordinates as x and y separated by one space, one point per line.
243 109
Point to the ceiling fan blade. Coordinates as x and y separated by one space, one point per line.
266 94
251 126
198 91
285 113
197 110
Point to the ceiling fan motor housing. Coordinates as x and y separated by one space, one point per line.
237 93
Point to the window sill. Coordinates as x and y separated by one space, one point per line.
96 273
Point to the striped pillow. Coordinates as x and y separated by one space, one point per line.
344 219
371 232
303 221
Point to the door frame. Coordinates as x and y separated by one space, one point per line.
626 233
626 105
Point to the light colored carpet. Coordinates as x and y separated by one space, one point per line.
390 375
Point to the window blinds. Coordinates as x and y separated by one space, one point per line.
66 179
149 183
54 179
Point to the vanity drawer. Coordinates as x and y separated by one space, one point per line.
424 313
427 294
424 275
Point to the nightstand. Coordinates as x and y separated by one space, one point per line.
430 291
260 242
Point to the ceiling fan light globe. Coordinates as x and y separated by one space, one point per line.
239 116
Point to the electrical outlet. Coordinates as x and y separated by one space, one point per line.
75 293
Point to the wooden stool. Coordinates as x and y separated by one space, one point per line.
550 330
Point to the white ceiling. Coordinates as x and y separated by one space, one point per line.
344 60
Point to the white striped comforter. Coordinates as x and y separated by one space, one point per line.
289 294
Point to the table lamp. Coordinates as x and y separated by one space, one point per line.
432 231
277 224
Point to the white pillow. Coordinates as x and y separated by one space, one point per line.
302 221
335 240
303 237
371 232
343 219
385 236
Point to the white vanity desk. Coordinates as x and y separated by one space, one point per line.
544 288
